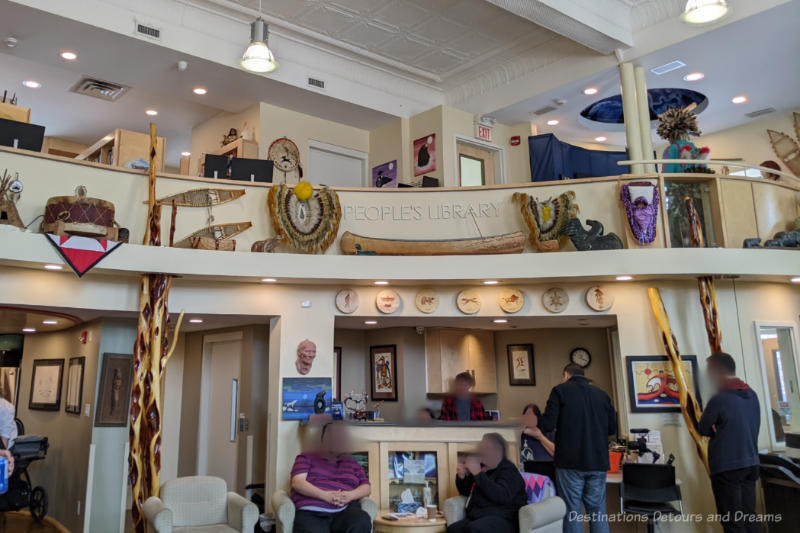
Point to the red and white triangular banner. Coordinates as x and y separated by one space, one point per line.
82 253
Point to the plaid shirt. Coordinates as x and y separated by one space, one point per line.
450 409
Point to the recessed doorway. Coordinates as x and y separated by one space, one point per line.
478 163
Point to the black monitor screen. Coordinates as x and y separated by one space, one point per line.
21 135
251 169
216 166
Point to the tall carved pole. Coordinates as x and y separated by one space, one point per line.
151 354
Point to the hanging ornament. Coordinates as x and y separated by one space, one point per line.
308 226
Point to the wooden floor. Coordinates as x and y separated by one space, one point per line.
21 522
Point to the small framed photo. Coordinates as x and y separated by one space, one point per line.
46 384
114 395
651 383
383 369
337 373
75 385
520 364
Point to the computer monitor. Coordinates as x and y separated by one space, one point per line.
251 169
21 135
216 166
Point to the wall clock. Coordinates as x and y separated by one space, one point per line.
468 301
511 300
555 300
285 155
347 301
598 299
427 301
387 301
581 357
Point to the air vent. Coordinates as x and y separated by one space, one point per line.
759 112
668 67
148 31
319 84
543 110
105 90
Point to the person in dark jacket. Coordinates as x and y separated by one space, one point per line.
732 419
583 418
494 488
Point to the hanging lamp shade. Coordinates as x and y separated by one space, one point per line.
704 11
258 57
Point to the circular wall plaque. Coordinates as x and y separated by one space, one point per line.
387 301
347 301
468 301
598 299
555 299
511 300
427 301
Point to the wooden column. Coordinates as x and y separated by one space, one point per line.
644 117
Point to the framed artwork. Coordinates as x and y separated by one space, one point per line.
114 394
46 384
75 385
651 383
383 372
303 397
520 364
425 154
337 373
385 175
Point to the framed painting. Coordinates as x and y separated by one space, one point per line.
303 397
520 364
114 395
46 384
337 373
651 383
383 372
72 404
385 175
425 154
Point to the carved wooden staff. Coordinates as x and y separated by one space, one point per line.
151 354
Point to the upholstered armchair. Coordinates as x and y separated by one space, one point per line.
284 510
546 516
199 504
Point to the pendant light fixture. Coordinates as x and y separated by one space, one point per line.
258 57
704 11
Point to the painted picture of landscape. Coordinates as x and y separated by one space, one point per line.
303 397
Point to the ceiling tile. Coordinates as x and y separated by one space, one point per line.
440 30
361 7
473 45
368 36
403 14
281 8
404 49
326 20
438 61
475 13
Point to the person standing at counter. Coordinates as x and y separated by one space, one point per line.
462 405
583 418
494 489
732 419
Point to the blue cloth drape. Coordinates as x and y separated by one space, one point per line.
552 159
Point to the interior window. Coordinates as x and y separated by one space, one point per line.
472 173
781 374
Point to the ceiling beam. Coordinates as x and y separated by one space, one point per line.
602 25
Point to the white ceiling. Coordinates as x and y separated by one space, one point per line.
755 56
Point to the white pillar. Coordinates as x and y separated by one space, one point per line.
631 111
644 117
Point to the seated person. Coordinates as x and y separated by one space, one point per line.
327 486
494 487
536 446
462 405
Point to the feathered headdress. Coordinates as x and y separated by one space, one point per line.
677 123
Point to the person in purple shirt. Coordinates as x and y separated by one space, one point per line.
327 486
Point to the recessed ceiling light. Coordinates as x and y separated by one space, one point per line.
200 90
196 320
491 282
69 55
739 99
500 320
31 84
590 91
186 154
49 322
624 278
29 330
53 267
269 280
704 11
796 280
150 112
381 282
552 122
694 76
370 322
601 139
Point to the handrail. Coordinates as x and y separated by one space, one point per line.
719 162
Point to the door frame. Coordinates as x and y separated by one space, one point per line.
348 152
758 324
205 386
499 157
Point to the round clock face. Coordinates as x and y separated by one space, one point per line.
581 357
511 300
347 301
284 154
468 301
555 300
598 299
387 301
427 301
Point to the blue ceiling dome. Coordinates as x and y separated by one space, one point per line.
609 110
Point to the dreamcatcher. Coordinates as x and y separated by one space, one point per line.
308 220
285 157
546 219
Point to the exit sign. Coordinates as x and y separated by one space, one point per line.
483 132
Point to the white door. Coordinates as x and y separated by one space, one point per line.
335 166
222 367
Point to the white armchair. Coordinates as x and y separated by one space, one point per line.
199 504
284 510
547 516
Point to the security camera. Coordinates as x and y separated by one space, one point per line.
182 66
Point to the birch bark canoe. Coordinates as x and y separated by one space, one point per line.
509 243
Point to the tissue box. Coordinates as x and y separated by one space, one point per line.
408 507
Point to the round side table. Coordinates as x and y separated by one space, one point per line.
414 525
